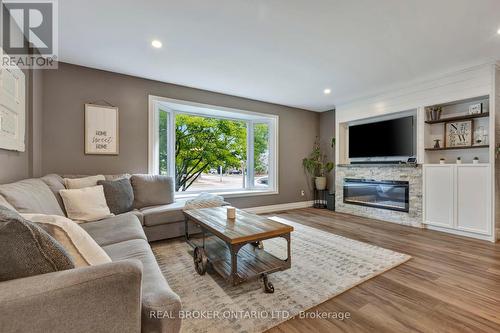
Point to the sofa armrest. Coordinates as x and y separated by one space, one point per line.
103 298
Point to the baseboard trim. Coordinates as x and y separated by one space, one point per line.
280 207
461 233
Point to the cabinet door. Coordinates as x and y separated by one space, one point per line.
473 198
439 195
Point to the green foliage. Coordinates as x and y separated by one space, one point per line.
316 164
203 143
261 148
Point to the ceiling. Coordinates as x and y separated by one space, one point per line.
281 51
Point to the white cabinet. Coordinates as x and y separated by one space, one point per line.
473 188
439 195
457 199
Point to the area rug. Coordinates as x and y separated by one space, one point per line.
323 266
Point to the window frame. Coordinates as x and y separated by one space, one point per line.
174 106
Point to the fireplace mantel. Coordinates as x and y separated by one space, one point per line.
378 165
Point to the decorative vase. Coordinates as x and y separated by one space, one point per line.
320 183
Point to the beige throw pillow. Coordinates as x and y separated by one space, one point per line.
76 241
75 183
85 204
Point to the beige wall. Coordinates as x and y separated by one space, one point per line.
66 90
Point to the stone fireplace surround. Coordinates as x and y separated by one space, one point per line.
382 172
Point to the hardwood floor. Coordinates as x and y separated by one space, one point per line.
452 283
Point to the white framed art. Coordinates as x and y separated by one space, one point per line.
12 108
101 130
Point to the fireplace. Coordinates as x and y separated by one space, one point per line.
385 194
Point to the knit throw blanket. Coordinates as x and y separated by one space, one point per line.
205 200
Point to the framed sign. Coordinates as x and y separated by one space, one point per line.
476 108
458 133
101 130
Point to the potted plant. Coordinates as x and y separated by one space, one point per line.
317 166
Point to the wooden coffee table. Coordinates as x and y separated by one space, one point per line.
233 247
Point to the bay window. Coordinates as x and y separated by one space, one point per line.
213 149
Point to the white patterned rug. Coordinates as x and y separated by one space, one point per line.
323 266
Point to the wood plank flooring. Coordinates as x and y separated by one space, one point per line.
452 283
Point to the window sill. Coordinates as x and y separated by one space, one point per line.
228 194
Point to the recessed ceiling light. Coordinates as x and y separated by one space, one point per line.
327 91
498 31
156 44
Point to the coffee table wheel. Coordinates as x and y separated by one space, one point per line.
268 286
200 260
258 244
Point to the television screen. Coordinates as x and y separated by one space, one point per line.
382 139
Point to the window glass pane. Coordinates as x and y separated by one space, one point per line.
261 155
210 153
163 142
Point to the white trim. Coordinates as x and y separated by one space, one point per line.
153 163
280 207
460 233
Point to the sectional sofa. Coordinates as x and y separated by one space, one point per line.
130 294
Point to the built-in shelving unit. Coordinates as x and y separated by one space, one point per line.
435 129
457 148
458 118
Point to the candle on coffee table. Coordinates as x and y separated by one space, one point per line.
231 212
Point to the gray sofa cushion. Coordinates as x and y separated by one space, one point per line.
31 196
115 229
55 183
27 250
119 195
152 190
138 214
156 293
163 214
5 203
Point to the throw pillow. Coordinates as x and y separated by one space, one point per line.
85 204
76 183
75 240
31 196
6 204
152 190
27 250
119 195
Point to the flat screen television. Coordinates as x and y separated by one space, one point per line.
389 138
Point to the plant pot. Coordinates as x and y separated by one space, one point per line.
320 183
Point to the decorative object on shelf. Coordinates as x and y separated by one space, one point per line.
437 143
231 213
475 160
476 108
101 130
485 138
459 160
442 161
317 166
434 112
320 199
480 135
458 133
